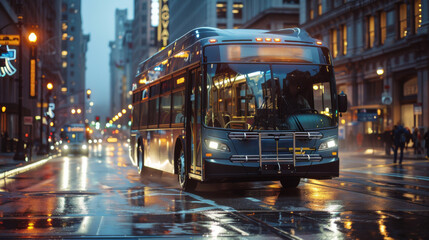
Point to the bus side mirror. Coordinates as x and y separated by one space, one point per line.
342 102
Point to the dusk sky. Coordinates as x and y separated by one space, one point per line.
98 18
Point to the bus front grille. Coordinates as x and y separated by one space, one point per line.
273 158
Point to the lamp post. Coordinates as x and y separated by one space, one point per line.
49 86
19 154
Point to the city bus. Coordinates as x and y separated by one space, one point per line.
238 105
73 139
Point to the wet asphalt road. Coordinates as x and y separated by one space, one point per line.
103 197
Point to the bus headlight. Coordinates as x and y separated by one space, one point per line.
65 147
84 146
217 145
328 144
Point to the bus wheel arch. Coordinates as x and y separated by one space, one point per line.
181 168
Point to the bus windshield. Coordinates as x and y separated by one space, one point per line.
270 96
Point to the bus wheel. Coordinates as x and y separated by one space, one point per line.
185 182
140 158
290 182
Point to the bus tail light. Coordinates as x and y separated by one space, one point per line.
277 39
319 42
258 39
212 40
268 39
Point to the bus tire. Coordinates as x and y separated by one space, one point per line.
140 158
185 183
290 182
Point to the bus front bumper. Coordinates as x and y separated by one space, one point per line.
225 170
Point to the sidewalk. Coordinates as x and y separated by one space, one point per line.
380 152
8 166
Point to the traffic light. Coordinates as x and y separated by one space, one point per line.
88 93
97 118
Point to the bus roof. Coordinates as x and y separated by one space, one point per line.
202 35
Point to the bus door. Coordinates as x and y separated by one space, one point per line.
193 123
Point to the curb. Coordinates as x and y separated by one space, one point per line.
26 167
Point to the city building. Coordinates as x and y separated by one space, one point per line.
381 56
73 54
44 19
274 14
187 15
144 31
119 60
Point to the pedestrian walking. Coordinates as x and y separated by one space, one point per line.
426 138
387 139
416 137
399 138
407 137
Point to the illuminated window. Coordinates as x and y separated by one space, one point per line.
370 34
344 39
64 53
64 64
221 9
402 20
310 4
64 37
417 15
237 10
221 25
334 43
64 26
382 27
319 7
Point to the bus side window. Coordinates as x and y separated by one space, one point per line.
153 105
178 115
165 105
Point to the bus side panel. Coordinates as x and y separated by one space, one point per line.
159 148
133 146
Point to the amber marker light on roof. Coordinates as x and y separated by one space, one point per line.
258 39
277 39
268 39
212 40
319 43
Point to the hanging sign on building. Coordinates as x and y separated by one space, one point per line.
12 40
164 16
6 56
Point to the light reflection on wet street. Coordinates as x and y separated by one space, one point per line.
103 196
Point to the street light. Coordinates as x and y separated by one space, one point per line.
380 71
49 86
32 38
124 111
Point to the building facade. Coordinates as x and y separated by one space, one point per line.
119 82
274 14
73 64
187 15
381 57
44 19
